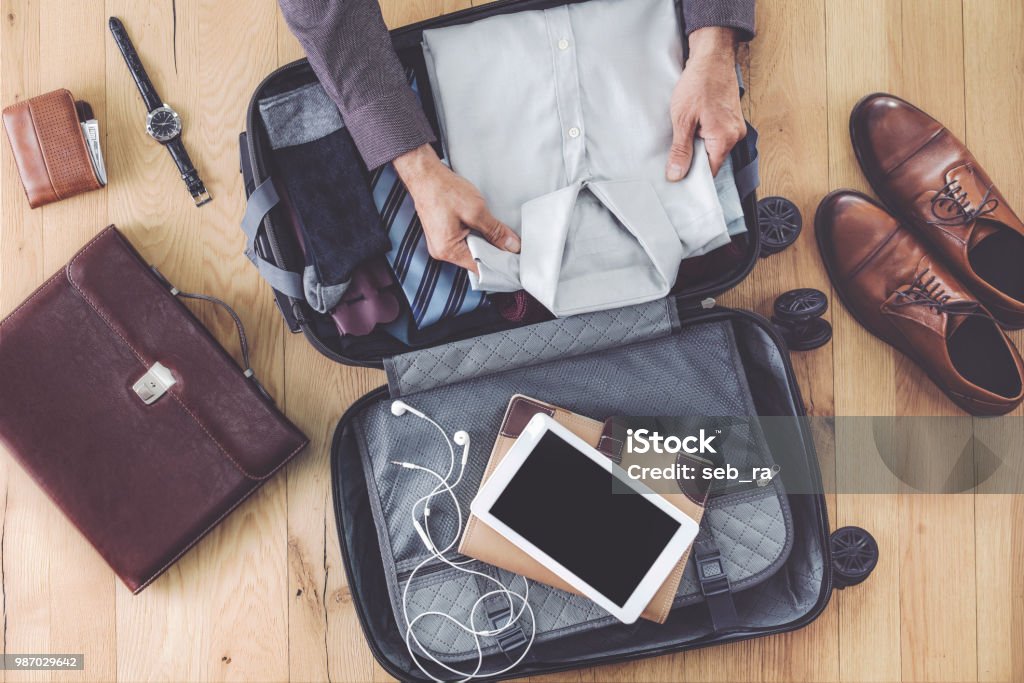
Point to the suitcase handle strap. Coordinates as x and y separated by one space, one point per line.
260 202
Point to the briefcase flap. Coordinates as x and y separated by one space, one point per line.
154 327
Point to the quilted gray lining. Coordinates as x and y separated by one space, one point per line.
695 371
454 592
530 345
755 532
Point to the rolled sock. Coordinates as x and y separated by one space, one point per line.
329 187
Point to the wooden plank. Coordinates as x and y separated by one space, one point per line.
863 42
936 531
403 12
21 235
246 593
26 510
228 594
932 33
147 201
787 94
326 638
82 599
995 133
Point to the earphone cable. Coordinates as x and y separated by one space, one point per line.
444 486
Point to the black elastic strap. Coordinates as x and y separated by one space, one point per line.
512 636
714 583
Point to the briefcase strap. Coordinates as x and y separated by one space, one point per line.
243 340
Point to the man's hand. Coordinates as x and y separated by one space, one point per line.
706 102
449 206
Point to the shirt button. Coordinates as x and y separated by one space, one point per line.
574 132
563 44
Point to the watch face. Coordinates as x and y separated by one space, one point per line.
163 124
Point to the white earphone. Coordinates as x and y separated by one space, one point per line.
400 408
446 487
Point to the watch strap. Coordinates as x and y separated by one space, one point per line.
131 57
189 174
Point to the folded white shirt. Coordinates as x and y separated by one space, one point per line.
561 118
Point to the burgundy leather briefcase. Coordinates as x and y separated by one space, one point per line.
129 414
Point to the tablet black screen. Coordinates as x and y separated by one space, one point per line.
562 502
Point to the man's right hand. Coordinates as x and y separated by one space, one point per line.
449 207
706 102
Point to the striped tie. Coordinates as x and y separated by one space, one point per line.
436 290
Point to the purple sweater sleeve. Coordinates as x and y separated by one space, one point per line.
351 53
737 14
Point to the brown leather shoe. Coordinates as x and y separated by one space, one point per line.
894 287
927 176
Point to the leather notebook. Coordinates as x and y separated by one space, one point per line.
50 148
483 543
129 414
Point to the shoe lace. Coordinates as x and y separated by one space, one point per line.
952 199
926 290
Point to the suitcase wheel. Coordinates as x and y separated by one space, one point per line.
797 314
779 222
800 305
854 556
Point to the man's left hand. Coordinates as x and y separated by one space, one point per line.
706 102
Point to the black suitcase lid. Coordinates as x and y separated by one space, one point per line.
275 242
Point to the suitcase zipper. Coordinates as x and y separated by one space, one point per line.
689 306
431 569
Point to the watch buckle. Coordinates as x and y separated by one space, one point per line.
203 197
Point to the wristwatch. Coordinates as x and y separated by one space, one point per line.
162 123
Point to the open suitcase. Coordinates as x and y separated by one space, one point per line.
766 565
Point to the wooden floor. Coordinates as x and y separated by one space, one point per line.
264 597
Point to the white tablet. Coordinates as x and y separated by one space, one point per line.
552 496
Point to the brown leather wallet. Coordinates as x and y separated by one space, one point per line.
50 148
483 543
129 414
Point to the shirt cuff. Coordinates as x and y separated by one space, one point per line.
388 127
735 14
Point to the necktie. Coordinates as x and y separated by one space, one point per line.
436 290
